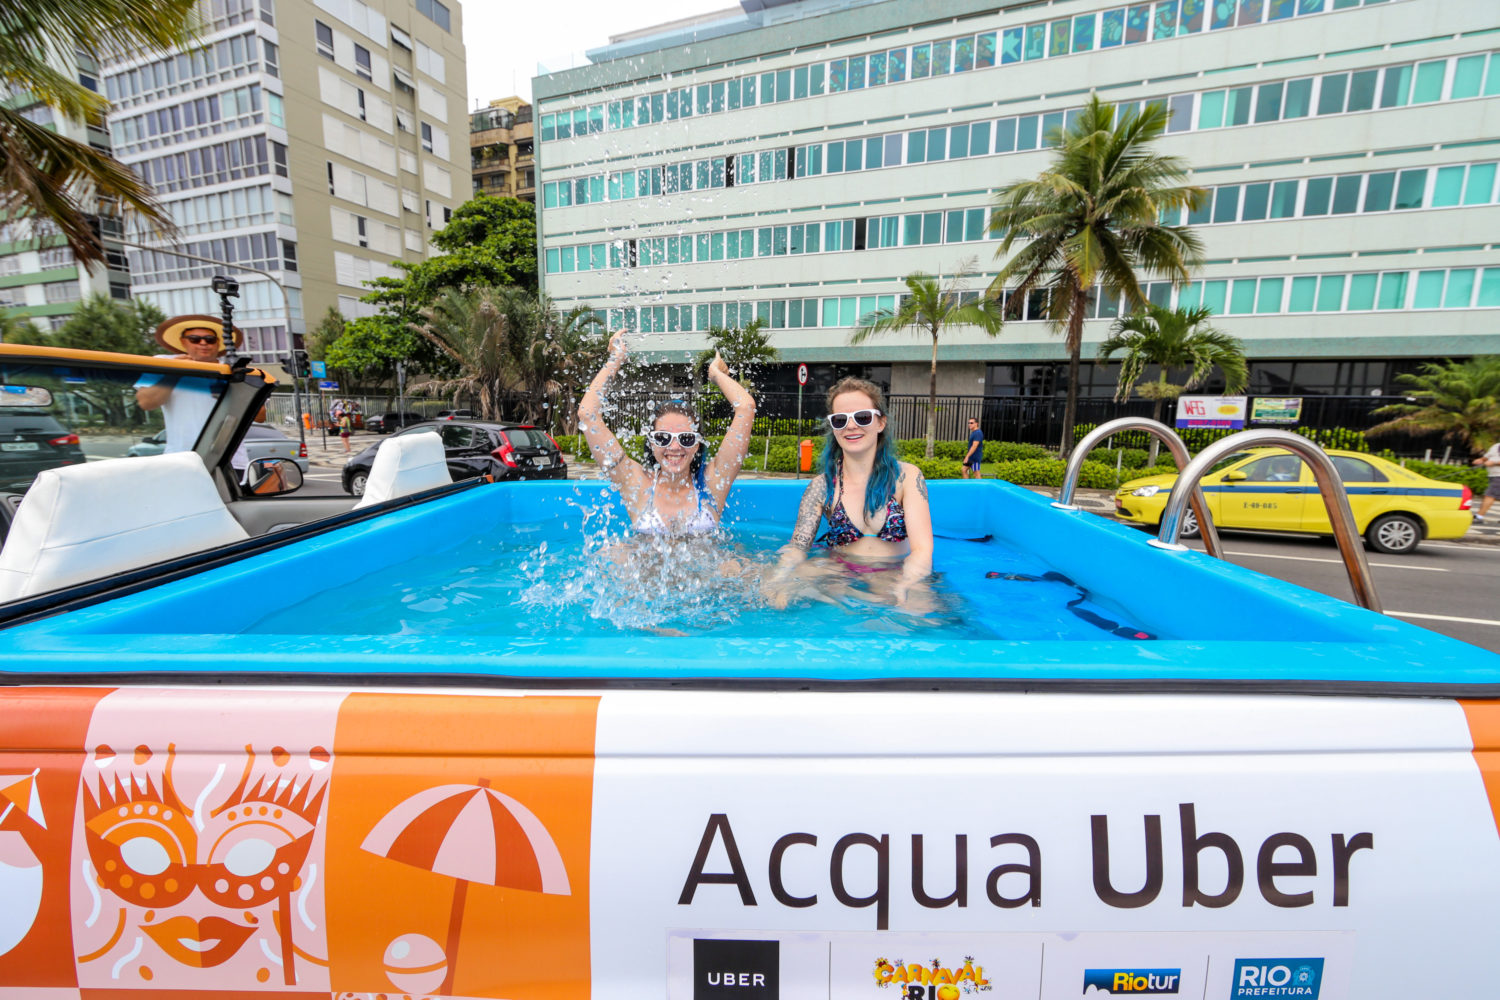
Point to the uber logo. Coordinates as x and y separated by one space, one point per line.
736 970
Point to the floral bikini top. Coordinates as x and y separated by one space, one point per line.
841 530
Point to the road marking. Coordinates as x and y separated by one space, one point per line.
1336 562
1444 618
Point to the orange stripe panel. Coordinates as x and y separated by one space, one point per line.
1484 726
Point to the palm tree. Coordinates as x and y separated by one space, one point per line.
1094 217
1173 339
1459 398
508 341
743 349
43 174
926 306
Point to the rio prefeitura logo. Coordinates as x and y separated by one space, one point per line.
933 981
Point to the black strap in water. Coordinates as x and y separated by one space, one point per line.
1093 618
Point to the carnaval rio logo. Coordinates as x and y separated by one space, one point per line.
1132 982
932 981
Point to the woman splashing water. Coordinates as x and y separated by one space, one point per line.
879 525
674 491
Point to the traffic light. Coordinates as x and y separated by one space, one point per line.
301 364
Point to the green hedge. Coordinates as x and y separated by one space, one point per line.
1049 472
939 468
1012 451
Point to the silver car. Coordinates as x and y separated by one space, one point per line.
261 441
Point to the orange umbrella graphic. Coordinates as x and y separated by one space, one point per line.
470 833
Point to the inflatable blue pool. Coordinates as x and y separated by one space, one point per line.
448 588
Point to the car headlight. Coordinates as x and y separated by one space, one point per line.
1145 491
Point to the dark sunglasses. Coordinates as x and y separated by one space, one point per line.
189 338
688 439
862 418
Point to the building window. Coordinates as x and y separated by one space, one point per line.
361 101
435 12
273 58
288 255
117 291
427 137
275 110
58 257
330 178
362 62
278 159
360 223
325 39
447 215
403 120
268 11
401 38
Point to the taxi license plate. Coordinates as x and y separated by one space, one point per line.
20 446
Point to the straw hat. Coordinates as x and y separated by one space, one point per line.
169 334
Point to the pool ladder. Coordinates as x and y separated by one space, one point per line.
1351 547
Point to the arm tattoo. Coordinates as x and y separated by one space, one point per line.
810 513
922 484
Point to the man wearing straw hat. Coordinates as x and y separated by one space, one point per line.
185 402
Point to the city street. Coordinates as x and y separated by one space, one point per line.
1448 587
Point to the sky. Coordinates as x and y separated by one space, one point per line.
505 39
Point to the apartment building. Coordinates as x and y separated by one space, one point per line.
308 139
40 279
792 161
501 148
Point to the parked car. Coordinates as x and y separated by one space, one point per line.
473 448
385 423
1270 489
32 441
455 414
261 441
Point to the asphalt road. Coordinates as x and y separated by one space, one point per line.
322 481
1448 587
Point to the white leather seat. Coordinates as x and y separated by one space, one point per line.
406 464
86 522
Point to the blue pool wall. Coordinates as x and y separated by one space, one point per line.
1225 621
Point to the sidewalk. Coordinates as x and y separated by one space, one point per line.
333 456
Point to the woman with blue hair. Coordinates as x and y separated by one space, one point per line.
675 490
879 523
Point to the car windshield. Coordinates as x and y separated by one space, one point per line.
1229 460
60 413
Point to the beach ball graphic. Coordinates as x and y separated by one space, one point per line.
416 964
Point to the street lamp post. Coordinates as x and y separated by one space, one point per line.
286 305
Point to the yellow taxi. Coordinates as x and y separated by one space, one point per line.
1270 489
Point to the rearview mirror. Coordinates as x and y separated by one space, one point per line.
269 477
24 395
1234 477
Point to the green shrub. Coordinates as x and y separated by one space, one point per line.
1134 458
576 445
939 468
783 458
951 450
1031 471
1475 479
909 450
1011 451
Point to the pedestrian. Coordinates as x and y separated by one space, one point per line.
346 428
1490 460
975 454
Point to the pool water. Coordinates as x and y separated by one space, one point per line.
596 584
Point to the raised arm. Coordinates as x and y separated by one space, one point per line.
731 455
602 441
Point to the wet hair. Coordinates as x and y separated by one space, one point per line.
648 459
887 468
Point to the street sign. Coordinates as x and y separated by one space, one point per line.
319 369
801 374
328 385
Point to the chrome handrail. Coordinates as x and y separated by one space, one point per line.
1329 486
1174 445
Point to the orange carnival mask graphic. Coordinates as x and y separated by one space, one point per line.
203 869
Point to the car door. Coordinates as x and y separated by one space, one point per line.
1269 492
1370 494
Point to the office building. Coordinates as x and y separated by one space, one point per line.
40 279
794 160
501 145
306 138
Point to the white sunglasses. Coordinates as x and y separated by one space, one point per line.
861 418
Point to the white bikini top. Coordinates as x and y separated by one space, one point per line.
703 521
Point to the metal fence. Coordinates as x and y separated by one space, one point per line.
1030 419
